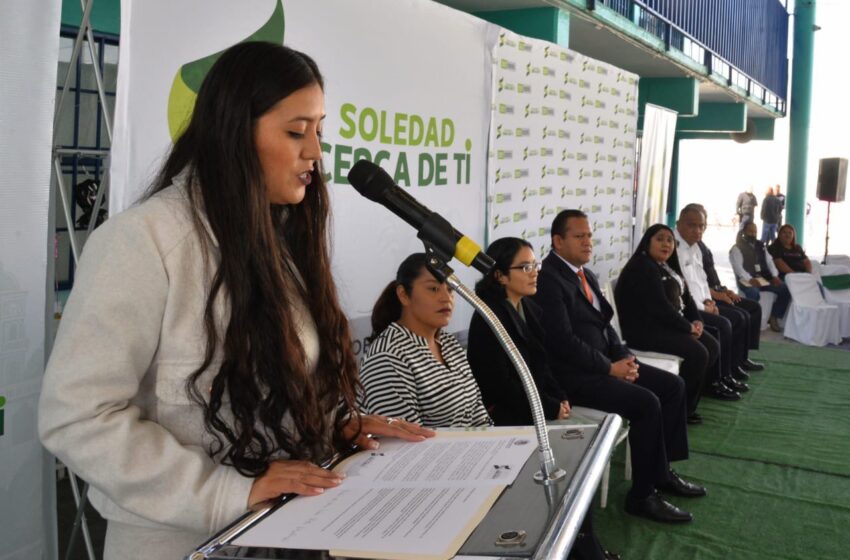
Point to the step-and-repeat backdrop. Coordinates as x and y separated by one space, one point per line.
562 136
456 109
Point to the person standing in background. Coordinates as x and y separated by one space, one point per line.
778 192
746 207
771 213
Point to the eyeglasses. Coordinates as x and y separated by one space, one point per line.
528 267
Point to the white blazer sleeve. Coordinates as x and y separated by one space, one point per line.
107 340
737 261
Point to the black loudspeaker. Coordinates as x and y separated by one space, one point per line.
832 178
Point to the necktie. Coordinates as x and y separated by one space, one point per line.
587 293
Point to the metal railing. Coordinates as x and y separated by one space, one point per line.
744 42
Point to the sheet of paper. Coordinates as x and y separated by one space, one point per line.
405 500
452 458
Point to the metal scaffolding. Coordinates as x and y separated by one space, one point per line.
84 35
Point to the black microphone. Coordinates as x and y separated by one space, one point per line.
376 184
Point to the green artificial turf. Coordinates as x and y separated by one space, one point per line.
776 465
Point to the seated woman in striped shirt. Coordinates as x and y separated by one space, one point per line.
414 369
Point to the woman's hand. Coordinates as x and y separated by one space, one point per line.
625 369
375 425
696 329
292 477
564 411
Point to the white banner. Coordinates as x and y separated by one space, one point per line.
562 136
29 41
405 85
656 158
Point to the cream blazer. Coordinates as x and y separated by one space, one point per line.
114 406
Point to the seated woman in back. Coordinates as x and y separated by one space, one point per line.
657 312
513 277
414 369
787 255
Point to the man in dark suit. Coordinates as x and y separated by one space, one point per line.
598 371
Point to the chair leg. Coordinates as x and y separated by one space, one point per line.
628 461
603 492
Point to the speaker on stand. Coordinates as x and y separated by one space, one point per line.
832 181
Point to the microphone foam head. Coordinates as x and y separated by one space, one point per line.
370 180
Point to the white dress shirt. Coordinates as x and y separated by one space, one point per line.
737 260
690 259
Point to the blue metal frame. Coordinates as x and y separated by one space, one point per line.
71 164
743 41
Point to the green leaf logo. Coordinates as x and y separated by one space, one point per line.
188 79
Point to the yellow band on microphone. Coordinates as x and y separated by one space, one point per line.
466 250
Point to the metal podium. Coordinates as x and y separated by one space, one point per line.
529 520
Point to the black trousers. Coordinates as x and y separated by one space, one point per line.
733 339
655 407
587 545
749 312
698 357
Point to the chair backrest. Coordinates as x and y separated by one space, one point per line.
832 269
804 289
608 292
817 269
838 259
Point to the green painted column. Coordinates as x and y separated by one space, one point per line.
549 24
673 189
800 113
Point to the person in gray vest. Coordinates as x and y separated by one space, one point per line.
756 273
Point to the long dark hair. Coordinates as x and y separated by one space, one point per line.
502 251
264 371
388 307
643 247
793 239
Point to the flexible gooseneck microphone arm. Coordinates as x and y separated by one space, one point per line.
437 257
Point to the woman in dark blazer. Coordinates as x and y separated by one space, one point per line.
657 312
504 289
513 277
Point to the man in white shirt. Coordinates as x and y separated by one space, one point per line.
729 380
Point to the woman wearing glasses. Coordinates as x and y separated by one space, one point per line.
504 290
414 369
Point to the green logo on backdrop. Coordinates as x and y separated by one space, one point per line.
400 129
187 81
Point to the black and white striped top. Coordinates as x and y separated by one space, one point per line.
403 379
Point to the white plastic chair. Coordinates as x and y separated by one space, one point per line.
840 298
843 260
810 320
666 362
591 415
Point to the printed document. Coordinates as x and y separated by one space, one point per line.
403 500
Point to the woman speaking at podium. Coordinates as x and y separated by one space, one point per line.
203 364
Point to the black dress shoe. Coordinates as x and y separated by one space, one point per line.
656 508
750 365
736 385
718 390
678 486
694 418
739 374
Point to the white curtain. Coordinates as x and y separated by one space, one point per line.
656 157
29 47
